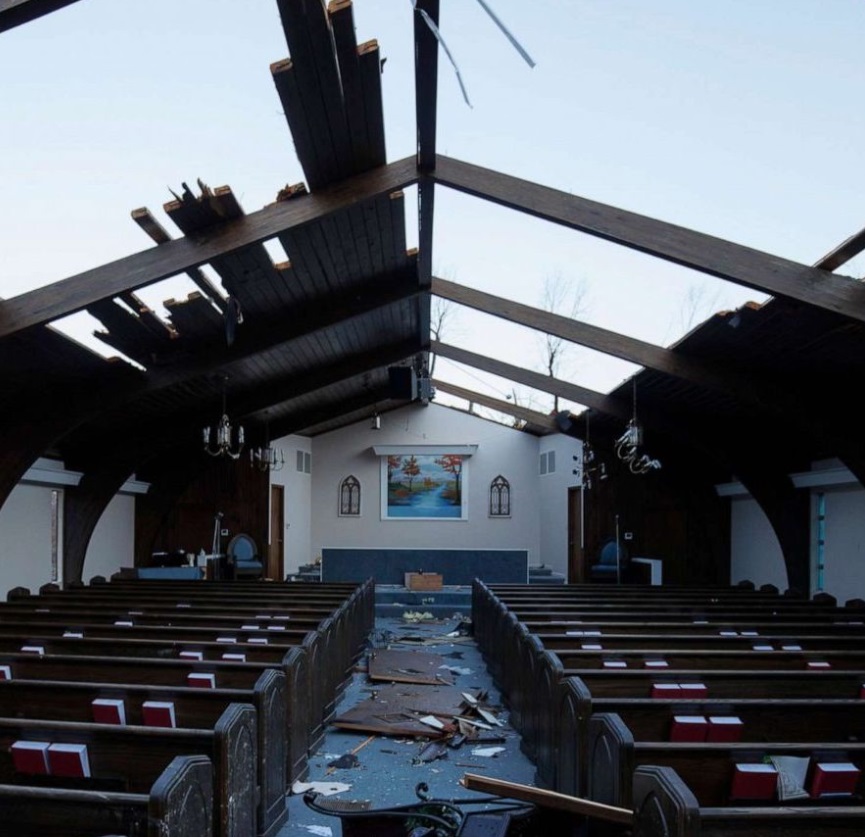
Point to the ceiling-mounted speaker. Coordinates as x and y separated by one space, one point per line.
402 382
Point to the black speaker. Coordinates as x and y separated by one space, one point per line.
402 383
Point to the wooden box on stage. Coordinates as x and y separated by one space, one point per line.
423 581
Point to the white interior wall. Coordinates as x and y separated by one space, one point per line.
553 494
25 535
754 550
844 555
501 450
113 543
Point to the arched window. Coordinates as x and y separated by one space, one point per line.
349 497
500 497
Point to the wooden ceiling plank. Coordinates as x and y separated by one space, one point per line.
128 329
507 407
359 235
707 254
310 44
337 248
318 166
341 16
288 328
160 235
374 233
370 69
304 275
298 245
342 225
67 296
195 318
394 239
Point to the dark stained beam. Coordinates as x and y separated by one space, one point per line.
842 254
426 63
527 377
43 305
717 257
16 12
533 417
602 340
426 54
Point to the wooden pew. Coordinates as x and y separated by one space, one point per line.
706 768
711 658
55 700
768 718
130 759
665 806
173 673
319 643
179 804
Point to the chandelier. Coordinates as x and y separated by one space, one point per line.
266 458
223 439
592 467
628 443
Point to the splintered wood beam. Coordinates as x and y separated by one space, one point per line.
608 342
705 253
533 417
15 12
548 799
42 305
842 254
160 235
536 380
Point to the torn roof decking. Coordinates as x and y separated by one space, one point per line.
331 92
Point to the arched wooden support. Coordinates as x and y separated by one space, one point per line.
788 511
83 507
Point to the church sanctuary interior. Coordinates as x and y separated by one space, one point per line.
201 524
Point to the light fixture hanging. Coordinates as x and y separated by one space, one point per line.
591 465
223 439
267 458
630 440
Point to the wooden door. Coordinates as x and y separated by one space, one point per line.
576 562
275 551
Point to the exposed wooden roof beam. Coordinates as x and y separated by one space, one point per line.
842 254
15 12
717 257
42 305
426 51
587 397
159 235
602 340
426 85
533 417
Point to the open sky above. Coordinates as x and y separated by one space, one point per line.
740 119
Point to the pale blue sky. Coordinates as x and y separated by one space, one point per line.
740 118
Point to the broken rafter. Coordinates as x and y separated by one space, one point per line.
42 305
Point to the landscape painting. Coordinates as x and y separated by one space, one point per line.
419 486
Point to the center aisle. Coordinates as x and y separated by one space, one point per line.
388 768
